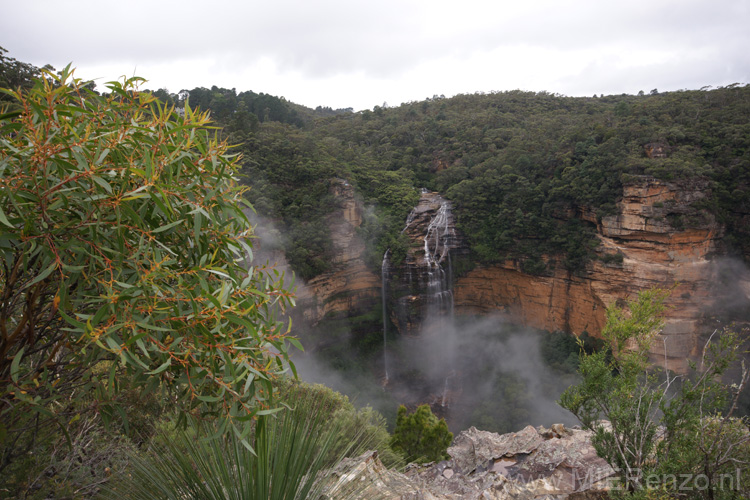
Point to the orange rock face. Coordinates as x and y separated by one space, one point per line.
656 249
349 286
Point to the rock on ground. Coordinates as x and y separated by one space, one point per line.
531 464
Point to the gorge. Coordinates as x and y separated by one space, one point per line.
458 253
440 358
436 231
639 248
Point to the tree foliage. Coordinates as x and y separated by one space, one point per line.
420 436
122 243
15 74
658 426
521 167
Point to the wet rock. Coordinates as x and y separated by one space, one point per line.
422 286
349 287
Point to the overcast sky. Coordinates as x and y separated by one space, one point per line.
350 53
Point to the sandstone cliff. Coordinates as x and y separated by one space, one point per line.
422 286
349 287
658 238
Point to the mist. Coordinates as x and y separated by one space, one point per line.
480 371
731 288
475 371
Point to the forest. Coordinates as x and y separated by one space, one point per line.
514 164
126 306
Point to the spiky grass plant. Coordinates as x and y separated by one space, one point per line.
291 454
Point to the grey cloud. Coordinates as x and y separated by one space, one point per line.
382 43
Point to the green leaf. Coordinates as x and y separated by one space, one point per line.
102 156
14 366
271 411
248 382
167 226
4 219
149 326
210 399
43 274
161 368
197 225
296 343
103 183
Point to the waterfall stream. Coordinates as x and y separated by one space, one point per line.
445 388
417 295
437 244
384 289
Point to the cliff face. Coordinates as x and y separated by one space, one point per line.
658 238
349 287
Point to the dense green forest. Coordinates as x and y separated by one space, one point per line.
515 164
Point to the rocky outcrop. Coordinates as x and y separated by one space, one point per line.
556 463
658 238
349 287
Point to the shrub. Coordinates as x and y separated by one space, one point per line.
420 436
661 426
293 453
122 245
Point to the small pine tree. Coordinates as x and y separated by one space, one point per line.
420 436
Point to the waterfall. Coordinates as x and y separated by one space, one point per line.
384 277
409 219
437 244
445 387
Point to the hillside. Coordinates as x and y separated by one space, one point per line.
564 205
514 164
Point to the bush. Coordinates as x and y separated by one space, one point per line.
122 244
420 436
661 426
62 468
294 451
364 426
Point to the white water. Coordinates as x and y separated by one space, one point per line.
384 284
409 220
437 241
445 387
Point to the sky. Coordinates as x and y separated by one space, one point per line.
359 54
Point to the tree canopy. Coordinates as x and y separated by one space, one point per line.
420 436
520 167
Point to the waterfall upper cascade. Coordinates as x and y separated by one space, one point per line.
421 287
437 242
418 299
